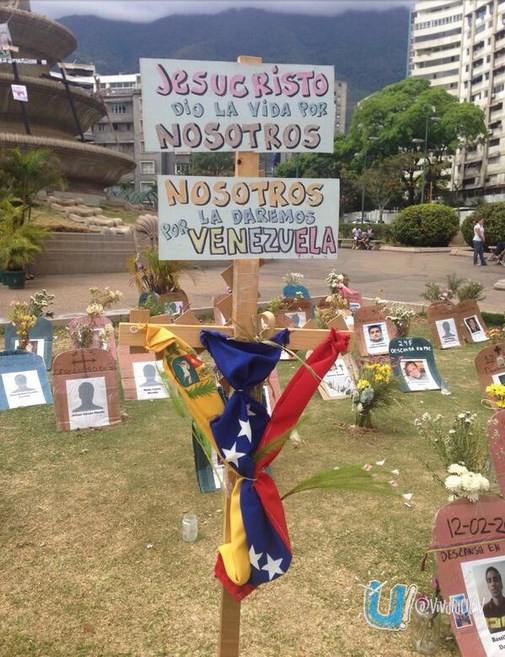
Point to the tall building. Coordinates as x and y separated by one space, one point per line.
460 45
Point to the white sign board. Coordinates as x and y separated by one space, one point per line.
218 218
227 106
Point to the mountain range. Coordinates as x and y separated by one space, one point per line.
368 49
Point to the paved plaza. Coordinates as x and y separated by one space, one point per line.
399 275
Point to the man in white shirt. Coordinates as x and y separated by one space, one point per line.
478 243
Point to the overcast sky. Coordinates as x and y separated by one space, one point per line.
150 10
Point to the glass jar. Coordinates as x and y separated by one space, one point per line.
425 631
189 527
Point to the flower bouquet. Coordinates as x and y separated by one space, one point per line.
23 315
375 387
89 331
496 395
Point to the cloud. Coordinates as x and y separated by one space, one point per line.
145 11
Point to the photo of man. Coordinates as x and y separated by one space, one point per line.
494 609
417 375
376 338
475 328
483 580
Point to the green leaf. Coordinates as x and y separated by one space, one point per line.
346 479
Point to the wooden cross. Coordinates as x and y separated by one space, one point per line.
243 327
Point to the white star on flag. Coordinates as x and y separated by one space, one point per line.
254 557
245 430
231 455
272 567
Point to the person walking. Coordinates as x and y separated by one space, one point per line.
478 243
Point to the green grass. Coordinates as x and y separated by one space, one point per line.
93 565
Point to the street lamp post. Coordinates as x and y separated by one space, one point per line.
425 154
363 186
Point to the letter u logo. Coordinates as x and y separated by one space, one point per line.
397 617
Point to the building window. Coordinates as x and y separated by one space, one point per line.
122 127
147 168
146 186
117 108
182 168
102 127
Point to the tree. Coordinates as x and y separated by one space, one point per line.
412 117
385 181
213 164
25 174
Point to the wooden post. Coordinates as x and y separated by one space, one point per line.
244 308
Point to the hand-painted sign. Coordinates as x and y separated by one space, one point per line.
229 106
216 218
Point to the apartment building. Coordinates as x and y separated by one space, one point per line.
460 46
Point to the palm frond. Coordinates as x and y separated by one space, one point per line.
346 479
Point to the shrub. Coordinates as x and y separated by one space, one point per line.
494 223
429 224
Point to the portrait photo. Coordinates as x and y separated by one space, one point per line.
376 338
477 332
23 388
447 333
148 382
484 584
87 402
417 374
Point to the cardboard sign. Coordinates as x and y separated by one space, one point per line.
412 360
230 106
85 389
474 327
469 548
373 331
40 336
99 324
23 380
218 218
174 303
445 323
141 375
340 380
490 365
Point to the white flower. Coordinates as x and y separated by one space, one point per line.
453 483
457 469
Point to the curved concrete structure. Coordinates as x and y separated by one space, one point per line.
51 119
